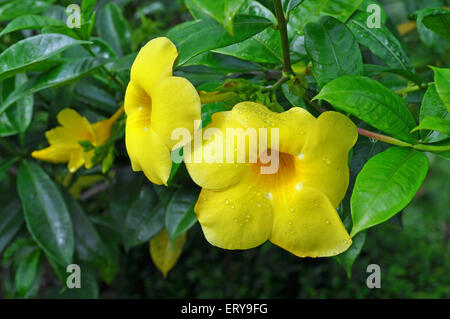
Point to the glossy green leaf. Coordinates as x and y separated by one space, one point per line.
380 41
333 50
435 19
180 214
223 11
89 247
209 109
33 22
385 185
123 192
442 82
26 272
114 28
145 218
373 103
11 219
432 105
289 5
434 123
19 8
45 213
5 164
31 51
347 258
66 73
223 63
17 119
312 10
371 70
195 37
264 47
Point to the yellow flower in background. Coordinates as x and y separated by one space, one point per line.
64 140
295 208
156 103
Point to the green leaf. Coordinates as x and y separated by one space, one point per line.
180 214
26 273
223 11
432 105
289 5
333 50
442 82
33 22
434 123
5 164
11 219
87 8
380 41
16 9
64 74
264 47
435 19
373 103
195 37
223 63
347 259
18 119
385 185
145 218
114 28
123 192
45 213
209 109
312 10
29 52
89 247
374 69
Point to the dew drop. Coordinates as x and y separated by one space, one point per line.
269 195
258 205
326 160
327 222
145 129
232 206
291 210
301 156
299 186
226 201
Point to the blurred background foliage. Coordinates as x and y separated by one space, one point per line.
412 248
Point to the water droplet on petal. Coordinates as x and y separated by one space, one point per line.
301 156
299 186
327 222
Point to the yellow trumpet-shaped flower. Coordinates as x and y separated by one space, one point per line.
64 140
156 103
295 208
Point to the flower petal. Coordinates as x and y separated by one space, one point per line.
53 154
153 63
76 159
151 156
175 105
236 218
102 132
324 159
62 137
306 224
71 120
214 173
292 124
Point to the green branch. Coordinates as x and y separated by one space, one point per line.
282 27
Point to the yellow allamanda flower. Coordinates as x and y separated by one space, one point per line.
295 208
156 103
64 140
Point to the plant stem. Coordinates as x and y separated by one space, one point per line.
282 27
412 88
383 138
